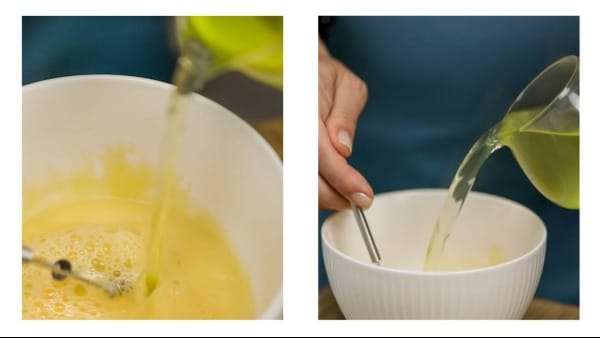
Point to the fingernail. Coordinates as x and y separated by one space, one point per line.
345 140
361 200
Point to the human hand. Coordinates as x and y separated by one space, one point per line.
342 96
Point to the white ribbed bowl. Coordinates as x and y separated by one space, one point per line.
402 222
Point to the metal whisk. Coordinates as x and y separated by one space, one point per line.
61 269
367 236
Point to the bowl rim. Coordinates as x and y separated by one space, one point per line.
274 308
156 83
540 245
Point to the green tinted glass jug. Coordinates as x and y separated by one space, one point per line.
252 45
541 129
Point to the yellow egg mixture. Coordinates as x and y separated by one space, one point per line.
99 219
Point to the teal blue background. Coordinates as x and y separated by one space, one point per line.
62 46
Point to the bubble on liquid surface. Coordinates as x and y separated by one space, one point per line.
107 256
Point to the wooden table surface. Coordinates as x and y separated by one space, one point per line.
539 308
272 131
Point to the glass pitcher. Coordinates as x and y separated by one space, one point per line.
252 45
541 129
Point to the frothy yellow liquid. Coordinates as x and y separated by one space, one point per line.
101 224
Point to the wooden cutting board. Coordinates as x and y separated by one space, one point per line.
272 131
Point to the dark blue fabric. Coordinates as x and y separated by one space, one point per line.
435 85
62 46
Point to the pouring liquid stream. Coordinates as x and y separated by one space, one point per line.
191 73
195 67
550 160
459 188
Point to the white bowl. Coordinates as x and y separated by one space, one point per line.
229 169
489 227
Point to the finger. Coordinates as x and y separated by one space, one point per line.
329 198
328 69
336 171
349 99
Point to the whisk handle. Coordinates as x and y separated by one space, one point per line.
28 255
